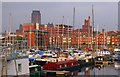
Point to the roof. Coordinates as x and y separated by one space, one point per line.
1 37
67 61
33 66
19 57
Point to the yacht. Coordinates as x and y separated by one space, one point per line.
116 58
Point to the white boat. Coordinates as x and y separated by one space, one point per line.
117 51
117 65
104 52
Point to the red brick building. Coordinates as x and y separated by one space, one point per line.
64 36
85 30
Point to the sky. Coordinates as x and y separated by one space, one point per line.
105 13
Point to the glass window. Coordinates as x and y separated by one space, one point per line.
19 67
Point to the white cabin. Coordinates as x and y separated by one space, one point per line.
117 51
104 52
22 65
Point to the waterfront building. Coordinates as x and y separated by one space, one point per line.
85 30
64 36
34 35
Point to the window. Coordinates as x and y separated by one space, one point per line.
19 67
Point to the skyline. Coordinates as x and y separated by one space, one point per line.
105 13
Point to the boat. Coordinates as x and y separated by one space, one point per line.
48 57
36 71
104 52
61 65
117 58
79 54
116 53
103 60
87 60
117 65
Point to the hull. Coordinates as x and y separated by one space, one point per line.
103 60
68 65
117 65
117 62
41 63
72 68
86 62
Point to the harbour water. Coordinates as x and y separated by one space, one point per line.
97 71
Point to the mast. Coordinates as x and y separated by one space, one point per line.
80 39
10 23
37 28
73 17
88 30
58 36
97 37
30 36
104 37
68 32
51 38
63 32
78 36
92 27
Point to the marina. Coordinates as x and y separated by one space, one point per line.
62 48
63 64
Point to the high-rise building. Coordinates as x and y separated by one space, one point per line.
36 17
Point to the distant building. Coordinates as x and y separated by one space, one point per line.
36 17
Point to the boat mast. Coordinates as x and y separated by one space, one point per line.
92 28
73 19
58 36
68 32
30 36
63 32
97 37
37 28
88 30
104 37
10 23
78 36
51 38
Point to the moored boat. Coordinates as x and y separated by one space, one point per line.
103 60
36 70
86 61
61 65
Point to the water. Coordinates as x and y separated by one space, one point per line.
96 71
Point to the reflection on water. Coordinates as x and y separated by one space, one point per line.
98 71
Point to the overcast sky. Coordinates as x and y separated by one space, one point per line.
105 13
